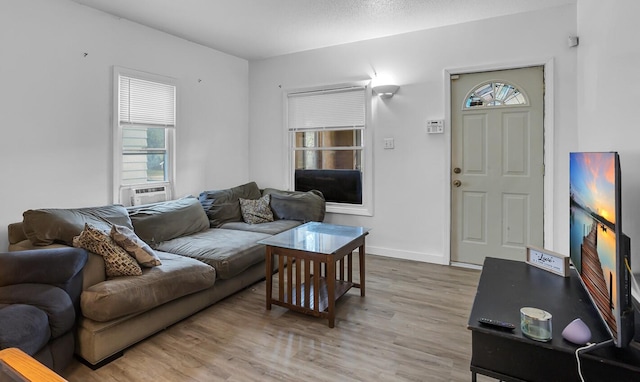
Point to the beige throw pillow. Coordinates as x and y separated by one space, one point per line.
255 211
127 239
116 260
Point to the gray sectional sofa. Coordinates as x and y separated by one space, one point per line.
207 251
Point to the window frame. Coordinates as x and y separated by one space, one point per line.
122 191
366 208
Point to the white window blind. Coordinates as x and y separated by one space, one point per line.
146 103
327 110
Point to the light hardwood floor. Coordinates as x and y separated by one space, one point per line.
411 326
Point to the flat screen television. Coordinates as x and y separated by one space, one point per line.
599 251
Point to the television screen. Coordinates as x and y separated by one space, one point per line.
597 246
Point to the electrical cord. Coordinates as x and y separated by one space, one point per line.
590 346
593 346
578 350
635 288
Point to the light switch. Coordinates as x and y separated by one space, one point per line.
388 143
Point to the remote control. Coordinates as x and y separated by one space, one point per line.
496 323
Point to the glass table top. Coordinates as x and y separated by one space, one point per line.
316 237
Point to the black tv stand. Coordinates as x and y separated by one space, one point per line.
506 286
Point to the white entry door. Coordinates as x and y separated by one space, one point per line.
497 167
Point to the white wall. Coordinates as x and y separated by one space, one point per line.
409 182
608 96
56 145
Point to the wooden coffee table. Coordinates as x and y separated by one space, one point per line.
16 365
308 279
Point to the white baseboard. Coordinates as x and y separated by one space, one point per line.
467 266
407 255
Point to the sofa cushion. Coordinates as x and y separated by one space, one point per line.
117 261
25 327
155 223
223 206
296 205
177 276
46 226
52 300
256 211
271 228
230 252
137 248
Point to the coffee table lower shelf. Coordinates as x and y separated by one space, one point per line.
306 303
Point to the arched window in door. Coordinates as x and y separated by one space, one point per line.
495 93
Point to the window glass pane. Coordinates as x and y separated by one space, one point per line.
144 155
328 159
495 94
515 99
337 138
485 92
144 167
156 138
143 138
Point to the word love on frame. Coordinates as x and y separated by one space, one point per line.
549 261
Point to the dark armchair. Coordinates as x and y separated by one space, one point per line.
39 302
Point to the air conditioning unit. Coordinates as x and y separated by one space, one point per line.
147 195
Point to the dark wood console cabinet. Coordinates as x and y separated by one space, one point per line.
506 286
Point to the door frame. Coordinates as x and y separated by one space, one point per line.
548 144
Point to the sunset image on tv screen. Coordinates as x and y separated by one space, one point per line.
593 228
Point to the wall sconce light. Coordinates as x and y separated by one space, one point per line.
386 91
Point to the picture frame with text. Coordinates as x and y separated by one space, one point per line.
548 260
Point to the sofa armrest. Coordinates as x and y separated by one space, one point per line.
60 267
54 266
57 304
16 233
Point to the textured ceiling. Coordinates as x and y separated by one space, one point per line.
255 29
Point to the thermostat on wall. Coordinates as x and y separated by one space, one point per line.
435 126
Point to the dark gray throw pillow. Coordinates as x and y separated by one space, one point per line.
297 205
223 206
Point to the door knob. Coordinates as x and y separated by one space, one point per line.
457 183
457 170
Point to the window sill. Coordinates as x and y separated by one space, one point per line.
346 209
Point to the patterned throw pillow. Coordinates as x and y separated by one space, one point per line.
127 239
256 211
116 260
